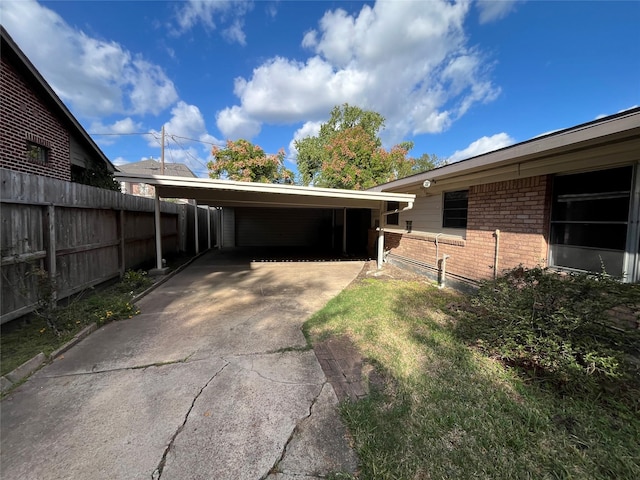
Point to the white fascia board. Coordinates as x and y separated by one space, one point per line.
204 184
618 127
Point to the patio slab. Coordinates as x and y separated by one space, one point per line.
210 381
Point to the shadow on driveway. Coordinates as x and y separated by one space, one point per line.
211 381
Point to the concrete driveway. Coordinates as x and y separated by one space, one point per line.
210 381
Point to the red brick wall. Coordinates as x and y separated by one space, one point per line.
23 115
518 208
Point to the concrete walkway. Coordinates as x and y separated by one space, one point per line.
210 381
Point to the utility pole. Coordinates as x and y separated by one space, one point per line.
162 153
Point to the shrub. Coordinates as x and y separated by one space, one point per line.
134 281
556 327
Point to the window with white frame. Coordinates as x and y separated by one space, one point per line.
393 218
590 220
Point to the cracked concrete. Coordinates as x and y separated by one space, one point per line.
211 381
157 473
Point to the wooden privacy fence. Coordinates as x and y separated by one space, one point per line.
79 236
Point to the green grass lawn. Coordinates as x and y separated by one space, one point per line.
22 339
448 411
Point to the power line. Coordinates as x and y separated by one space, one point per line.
193 140
123 134
185 150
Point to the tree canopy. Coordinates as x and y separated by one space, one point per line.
348 153
426 162
243 161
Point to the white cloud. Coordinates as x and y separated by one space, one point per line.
186 121
407 60
482 145
234 123
210 13
121 161
493 10
186 124
119 127
193 12
186 138
309 129
234 33
602 115
272 9
96 77
108 134
191 157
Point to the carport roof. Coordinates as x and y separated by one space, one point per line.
227 193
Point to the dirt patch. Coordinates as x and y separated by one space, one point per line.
347 371
388 272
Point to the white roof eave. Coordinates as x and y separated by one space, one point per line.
614 128
207 190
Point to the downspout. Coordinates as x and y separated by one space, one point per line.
496 234
380 253
442 271
437 247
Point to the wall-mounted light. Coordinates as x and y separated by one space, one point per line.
427 183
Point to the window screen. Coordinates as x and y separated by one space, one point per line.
454 209
37 153
589 220
394 218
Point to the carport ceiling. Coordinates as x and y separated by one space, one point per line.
227 193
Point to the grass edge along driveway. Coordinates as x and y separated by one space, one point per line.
447 411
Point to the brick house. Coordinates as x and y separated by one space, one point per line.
151 167
569 200
39 135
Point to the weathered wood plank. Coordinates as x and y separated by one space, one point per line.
97 235
23 257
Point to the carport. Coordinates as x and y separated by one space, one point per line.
227 193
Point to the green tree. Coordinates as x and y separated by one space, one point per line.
348 152
426 162
243 161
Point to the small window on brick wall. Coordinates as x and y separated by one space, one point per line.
454 209
37 153
38 150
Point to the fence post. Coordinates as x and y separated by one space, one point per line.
121 248
49 232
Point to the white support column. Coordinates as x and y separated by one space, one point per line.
158 232
344 231
208 227
195 202
220 229
159 270
381 236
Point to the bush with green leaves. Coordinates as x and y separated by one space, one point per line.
557 327
134 281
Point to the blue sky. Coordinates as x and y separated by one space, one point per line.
457 79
